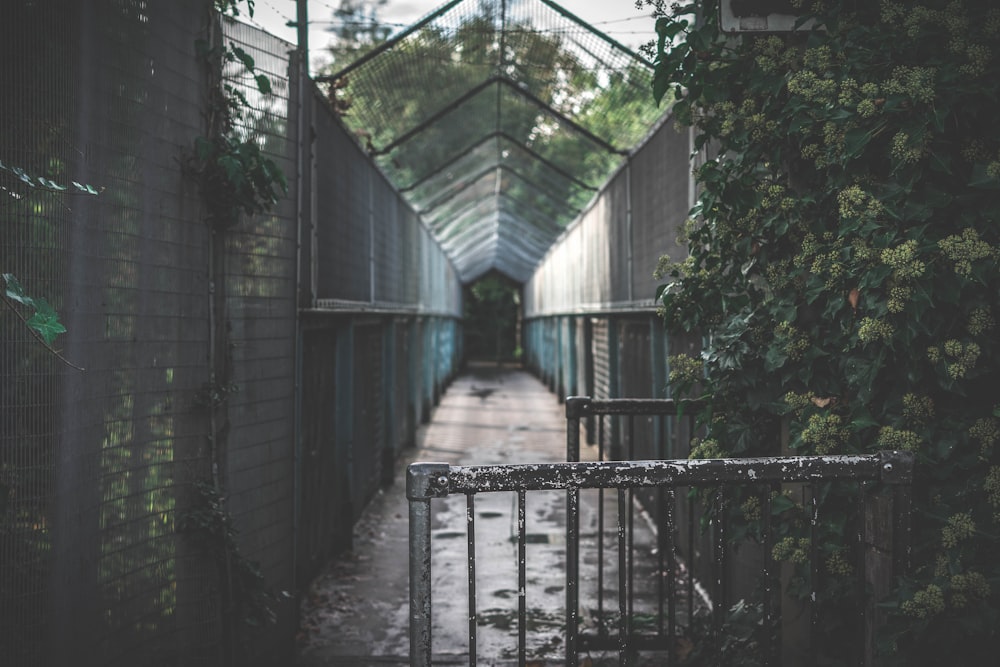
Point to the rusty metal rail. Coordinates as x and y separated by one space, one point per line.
426 481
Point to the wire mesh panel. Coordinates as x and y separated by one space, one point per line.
619 221
607 258
369 414
343 182
389 236
261 310
660 180
95 462
100 108
36 96
325 522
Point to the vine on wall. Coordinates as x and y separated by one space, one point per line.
235 175
236 178
844 270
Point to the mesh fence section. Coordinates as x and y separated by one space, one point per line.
371 244
34 228
342 213
95 461
620 224
661 176
259 275
607 259
100 107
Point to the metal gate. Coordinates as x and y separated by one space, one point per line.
883 481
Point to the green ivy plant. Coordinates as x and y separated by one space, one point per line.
843 271
37 315
41 320
209 522
236 177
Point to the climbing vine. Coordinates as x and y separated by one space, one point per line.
41 320
36 313
236 178
843 272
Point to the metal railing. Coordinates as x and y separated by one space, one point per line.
426 481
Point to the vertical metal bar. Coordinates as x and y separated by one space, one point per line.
664 536
423 482
671 577
470 517
521 583
813 573
719 547
690 559
870 566
902 510
572 572
623 618
420 582
630 560
661 545
860 567
768 544
602 627
574 409
630 590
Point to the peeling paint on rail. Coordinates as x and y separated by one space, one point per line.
429 480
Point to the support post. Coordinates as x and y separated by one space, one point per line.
423 482
795 628
886 540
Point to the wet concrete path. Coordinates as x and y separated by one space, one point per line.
356 612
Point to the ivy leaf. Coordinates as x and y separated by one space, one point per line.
244 57
46 322
982 179
202 148
855 142
263 84
15 292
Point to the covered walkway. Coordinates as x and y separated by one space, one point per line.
252 381
358 607
356 612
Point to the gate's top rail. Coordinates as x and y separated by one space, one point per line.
585 406
432 480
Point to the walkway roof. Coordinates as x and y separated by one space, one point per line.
499 120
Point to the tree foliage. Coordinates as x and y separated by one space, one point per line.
843 268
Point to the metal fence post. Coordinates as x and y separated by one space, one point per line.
576 407
423 482
886 539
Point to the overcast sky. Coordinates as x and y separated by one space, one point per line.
618 18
